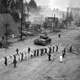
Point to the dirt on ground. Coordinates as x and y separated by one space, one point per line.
39 68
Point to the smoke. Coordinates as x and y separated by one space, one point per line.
62 4
41 2
74 3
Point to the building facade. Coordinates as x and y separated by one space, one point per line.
75 12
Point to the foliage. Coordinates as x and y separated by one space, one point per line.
16 7
3 6
32 4
15 16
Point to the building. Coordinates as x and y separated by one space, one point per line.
75 12
51 21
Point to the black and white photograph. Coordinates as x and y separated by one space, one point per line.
39 39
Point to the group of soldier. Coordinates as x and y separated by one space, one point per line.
37 52
15 61
63 52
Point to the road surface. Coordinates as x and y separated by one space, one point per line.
39 68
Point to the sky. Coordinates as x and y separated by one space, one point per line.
74 3
61 4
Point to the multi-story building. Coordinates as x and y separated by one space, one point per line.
75 12
51 21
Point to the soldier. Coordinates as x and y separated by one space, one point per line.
14 61
53 49
45 50
21 57
56 48
50 49
37 52
34 52
53 53
70 49
5 61
63 52
29 50
49 54
17 50
59 35
42 51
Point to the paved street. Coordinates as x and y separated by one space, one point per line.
40 68
39 39
66 35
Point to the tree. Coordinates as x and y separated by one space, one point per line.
32 4
12 5
4 6
4 3
15 16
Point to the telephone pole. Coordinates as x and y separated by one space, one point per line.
21 19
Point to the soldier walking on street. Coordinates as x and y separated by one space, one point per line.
14 61
53 49
56 48
34 53
50 49
49 54
5 61
45 50
29 50
17 50
37 52
59 35
70 49
21 57
64 53
42 50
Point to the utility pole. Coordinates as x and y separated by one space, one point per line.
6 27
21 18
52 20
28 13
6 34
